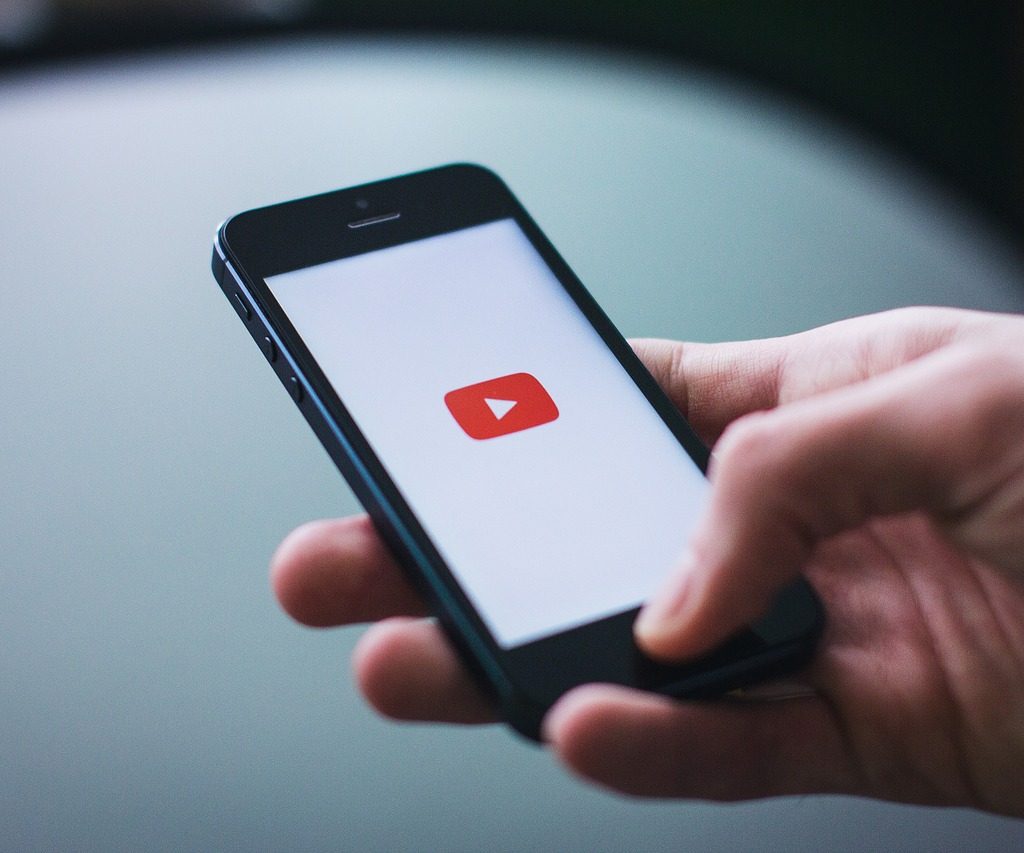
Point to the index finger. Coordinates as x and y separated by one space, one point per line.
716 384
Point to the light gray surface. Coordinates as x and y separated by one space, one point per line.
152 697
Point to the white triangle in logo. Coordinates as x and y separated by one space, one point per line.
499 408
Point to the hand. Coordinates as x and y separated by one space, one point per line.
883 457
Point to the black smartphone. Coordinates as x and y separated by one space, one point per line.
524 467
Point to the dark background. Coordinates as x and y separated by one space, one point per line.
939 83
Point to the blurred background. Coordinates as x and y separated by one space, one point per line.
712 171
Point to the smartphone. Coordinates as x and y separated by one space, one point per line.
521 463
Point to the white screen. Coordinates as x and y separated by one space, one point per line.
545 528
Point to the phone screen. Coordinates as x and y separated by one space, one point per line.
550 486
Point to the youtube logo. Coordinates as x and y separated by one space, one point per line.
501 406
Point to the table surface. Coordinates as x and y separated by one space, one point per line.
152 696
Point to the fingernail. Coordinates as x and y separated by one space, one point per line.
662 612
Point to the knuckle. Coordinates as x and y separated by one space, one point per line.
969 419
991 377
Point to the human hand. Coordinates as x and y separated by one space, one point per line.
882 457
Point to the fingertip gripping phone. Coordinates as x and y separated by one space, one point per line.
523 466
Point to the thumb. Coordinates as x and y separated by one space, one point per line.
921 437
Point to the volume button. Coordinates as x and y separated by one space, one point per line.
232 280
295 386
243 307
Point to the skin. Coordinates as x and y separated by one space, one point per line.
882 458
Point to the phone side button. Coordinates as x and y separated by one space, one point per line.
296 388
269 348
244 311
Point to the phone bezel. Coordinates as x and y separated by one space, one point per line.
526 679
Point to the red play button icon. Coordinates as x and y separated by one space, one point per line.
500 406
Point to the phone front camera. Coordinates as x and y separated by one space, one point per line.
362 203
